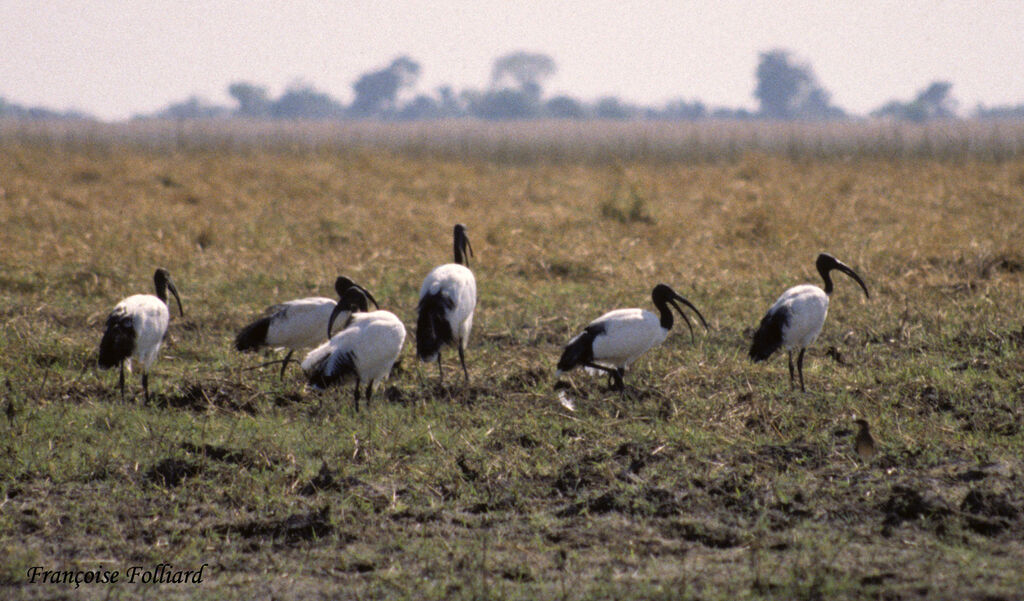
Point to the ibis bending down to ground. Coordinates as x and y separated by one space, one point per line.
795 320
445 310
613 341
294 325
136 328
366 347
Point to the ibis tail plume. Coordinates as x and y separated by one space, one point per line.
136 328
613 341
796 318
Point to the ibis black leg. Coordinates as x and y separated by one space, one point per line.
615 375
440 370
122 380
800 368
145 385
369 393
355 396
790 353
619 384
462 358
284 364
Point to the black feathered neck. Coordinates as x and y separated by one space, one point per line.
160 279
461 245
661 295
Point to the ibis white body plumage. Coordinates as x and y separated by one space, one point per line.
805 308
298 324
294 325
625 335
446 306
365 349
148 317
795 320
615 340
135 330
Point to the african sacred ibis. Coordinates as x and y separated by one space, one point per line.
296 324
136 328
366 347
796 318
445 310
613 341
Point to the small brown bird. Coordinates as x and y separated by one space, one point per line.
864 444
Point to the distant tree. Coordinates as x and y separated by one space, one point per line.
449 102
999 112
726 113
11 110
302 101
681 110
565 107
786 90
933 102
252 99
516 87
377 92
525 71
610 107
503 104
938 102
420 108
193 107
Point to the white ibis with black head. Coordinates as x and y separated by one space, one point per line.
136 328
296 324
613 341
447 302
796 318
365 348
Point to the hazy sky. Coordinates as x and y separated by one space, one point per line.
115 58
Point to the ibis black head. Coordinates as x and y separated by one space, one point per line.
827 263
343 283
353 301
461 244
863 423
663 295
163 283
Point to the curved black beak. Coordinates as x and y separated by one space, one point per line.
685 318
338 309
368 295
174 291
853 274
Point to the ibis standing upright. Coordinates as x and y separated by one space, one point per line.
366 348
136 328
445 310
296 324
613 341
796 318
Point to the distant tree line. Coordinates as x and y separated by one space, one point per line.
785 89
10 110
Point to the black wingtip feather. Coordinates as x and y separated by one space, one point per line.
253 336
333 368
432 327
118 340
580 349
768 337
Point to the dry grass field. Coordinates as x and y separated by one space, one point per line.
710 479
